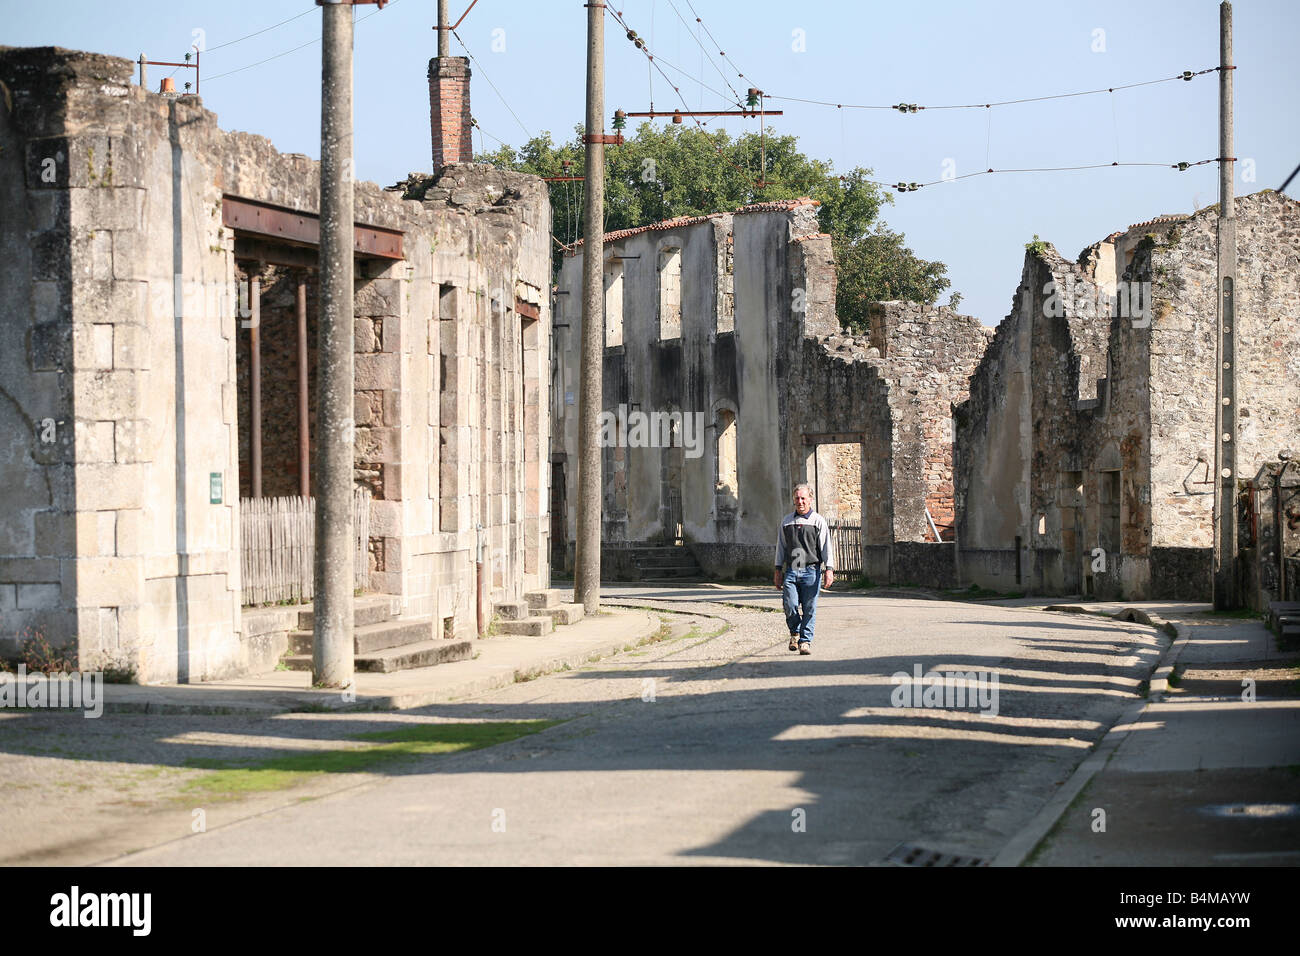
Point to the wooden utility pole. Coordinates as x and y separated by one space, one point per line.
331 647
1225 442
586 573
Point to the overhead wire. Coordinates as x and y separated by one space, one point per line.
391 3
709 34
213 49
483 72
704 50
651 58
1186 75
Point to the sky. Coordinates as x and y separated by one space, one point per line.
529 76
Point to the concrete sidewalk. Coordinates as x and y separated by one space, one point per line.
1205 772
498 661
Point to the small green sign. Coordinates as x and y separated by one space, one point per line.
214 488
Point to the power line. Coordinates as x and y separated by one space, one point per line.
710 35
482 71
641 45
734 92
912 187
277 56
1186 75
258 33
260 62
1282 188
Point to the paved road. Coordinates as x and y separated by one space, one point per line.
734 750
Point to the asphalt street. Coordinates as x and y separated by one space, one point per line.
731 749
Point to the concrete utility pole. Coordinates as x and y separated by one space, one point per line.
586 572
1225 443
444 29
335 549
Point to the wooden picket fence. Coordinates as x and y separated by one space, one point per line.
278 538
846 542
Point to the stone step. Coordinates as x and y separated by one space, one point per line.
373 637
529 626
663 561
511 610
365 610
406 657
676 572
565 613
659 551
548 597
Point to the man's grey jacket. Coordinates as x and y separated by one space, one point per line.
804 540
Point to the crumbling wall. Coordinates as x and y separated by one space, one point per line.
1110 495
930 353
127 305
992 457
1183 357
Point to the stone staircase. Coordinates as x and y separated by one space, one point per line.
381 643
537 614
665 563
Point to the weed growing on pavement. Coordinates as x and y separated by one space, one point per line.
39 657
382 748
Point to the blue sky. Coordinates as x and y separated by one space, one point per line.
852 52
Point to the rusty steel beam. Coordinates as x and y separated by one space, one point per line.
255 381
260 219
304 443
527 309
275 253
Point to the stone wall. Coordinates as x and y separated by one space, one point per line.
762 343
1104 487
120 281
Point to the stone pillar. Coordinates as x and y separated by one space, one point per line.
449 110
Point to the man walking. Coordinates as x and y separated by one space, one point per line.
803 558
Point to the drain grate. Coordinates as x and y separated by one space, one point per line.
909 854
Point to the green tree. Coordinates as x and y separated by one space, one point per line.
670 171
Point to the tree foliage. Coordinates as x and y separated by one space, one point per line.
670 171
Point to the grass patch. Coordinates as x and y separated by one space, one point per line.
1239 613
384 747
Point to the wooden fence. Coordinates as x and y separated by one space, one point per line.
846 542
278 546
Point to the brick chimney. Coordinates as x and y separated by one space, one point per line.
449 110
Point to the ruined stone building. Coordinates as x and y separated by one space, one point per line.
724 326
1086 450
158 286
949 454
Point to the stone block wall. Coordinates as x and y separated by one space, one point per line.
1104 488
124 403
760 340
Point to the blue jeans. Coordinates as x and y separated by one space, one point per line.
800 589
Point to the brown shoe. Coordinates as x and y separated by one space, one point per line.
805 647
794 642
